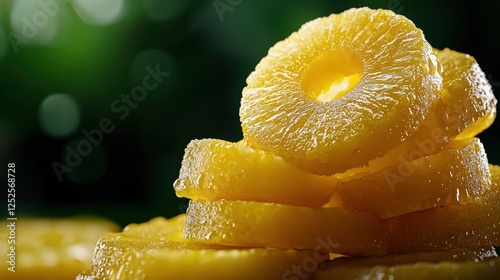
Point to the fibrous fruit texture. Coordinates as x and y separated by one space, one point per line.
358 161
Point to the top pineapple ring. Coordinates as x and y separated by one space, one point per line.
341 91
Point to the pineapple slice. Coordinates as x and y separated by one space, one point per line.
465 264
51 248
473 224
343 90
155 250
467 107
215 169
466 83
453 175
257 224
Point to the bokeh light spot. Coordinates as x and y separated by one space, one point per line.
59 115
162 10
35 22
88 161
99 12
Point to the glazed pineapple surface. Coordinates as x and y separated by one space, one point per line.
326 97
256 224
455 174
156 250
214 169
472 224
465 82
465 108
358 145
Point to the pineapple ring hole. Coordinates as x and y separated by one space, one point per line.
332 76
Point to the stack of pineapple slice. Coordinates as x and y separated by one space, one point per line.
358 141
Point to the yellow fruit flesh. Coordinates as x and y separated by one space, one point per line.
256 224
455 174
360 95
325 122
156 250
467 107
470 264
216 169
466 82
51 248
332 76
474 224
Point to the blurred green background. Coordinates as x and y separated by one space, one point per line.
65 66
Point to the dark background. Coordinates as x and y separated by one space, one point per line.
129 176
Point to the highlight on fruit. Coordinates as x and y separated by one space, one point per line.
359 160
325 99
